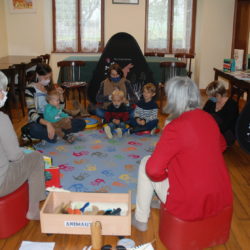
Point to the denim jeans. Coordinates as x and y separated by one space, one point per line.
113 126
39 131
148 126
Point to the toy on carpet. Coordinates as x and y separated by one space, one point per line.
91 122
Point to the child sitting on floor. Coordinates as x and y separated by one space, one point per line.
146 111
59 120
116 115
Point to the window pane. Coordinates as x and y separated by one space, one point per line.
157 36
66 28
90 25
182 25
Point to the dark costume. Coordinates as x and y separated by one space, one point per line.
226 118
122 48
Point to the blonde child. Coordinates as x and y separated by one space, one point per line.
146 111
116 115
59 120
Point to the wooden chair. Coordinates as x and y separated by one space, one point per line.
186 58
170 70
45 58
70 79
20 86
160 54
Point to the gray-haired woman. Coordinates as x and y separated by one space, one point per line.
17 167
186 170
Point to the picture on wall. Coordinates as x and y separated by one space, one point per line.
22 6
125 1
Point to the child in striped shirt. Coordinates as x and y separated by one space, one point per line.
146 111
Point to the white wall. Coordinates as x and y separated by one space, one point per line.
31 34
214 37
3 36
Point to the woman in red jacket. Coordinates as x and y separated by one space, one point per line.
186 170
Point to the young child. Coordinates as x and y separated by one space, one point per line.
146 111
59 120
116 115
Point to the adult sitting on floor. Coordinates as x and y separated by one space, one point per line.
35 95
115 80
17 167
186 170
224 110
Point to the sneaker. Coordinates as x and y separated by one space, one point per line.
119 132
69 138
141 226
107 130
152 132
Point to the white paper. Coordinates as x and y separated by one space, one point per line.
31 245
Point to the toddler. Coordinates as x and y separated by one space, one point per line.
59 120
116 115
146 111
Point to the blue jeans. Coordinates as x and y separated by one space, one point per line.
148 126
39 131
113 126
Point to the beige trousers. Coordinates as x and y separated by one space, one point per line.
145 191
30 168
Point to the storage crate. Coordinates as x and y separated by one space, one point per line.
80 224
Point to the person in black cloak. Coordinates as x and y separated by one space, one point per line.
243 128
121 49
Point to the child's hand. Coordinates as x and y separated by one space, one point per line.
116 121
140 121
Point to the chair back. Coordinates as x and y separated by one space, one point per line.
172 69
70 71
45 58
186 58
159 54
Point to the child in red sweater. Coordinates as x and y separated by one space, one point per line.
116 115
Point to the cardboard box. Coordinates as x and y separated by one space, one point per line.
80 224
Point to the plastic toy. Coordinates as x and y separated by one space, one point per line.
91 122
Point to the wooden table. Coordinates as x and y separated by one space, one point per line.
237 85
7 61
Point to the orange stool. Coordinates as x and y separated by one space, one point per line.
13 210
194 235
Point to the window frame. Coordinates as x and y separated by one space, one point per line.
79 49
169 49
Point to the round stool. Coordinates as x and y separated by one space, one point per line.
177 234
13 210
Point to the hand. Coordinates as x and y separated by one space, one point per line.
116 121
126 69
50 130
60 90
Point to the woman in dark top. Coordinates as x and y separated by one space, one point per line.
223 109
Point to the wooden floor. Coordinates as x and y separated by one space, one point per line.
238 163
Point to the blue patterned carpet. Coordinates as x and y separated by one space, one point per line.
93 163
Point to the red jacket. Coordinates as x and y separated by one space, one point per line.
189 153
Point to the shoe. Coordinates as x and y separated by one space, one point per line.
141 226
155 204
107 130
69 138
119 132
152 132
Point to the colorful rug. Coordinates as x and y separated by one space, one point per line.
93 163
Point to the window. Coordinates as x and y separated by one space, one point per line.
78 25
170 26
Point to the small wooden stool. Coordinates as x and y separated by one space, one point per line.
177 234
13 210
